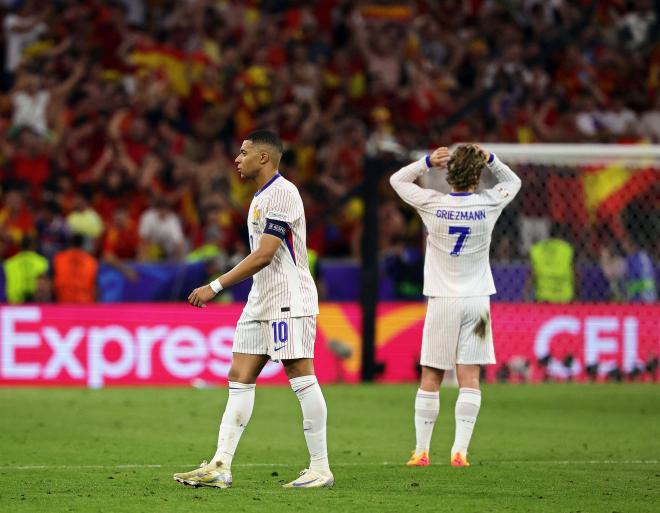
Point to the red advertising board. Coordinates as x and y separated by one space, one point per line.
569 337
171 344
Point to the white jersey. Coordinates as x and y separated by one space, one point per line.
284 288
460 226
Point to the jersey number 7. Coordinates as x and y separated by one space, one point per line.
463 232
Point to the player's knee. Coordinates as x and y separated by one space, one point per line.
469 383
298 367
241 376
468 376
431 379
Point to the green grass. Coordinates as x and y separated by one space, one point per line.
543 448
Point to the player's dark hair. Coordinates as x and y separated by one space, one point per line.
77 241
465 166
266 137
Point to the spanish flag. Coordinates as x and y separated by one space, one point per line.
597 194
172 63
396 12
609 189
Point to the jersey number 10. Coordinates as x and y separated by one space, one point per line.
462 232
280 332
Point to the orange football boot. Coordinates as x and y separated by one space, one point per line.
419 460
458 460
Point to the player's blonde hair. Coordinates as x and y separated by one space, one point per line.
464 166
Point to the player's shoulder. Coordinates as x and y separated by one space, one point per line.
285 183
495 195
285 188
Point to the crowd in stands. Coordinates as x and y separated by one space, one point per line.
120 120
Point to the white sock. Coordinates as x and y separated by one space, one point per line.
467 409
315 414
235 419
427 407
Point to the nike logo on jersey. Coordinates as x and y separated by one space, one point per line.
281 347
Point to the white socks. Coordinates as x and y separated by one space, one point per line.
236 417
239 410
467 409
314 412
427 407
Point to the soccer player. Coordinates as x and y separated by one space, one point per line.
458 282
278 321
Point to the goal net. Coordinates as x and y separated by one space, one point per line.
603 200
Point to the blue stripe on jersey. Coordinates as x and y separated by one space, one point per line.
275 177
460 193
289 244
277 228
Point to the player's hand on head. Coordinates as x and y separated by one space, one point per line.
200 296
484 151
440 157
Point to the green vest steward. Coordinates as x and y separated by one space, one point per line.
313 258
21 273
203 253
552 265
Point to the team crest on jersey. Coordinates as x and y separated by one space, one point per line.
256 215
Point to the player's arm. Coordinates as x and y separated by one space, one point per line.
508 183
403 181
249 266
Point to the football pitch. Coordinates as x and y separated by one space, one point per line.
536 448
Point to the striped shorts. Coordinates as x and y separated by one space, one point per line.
281 339
457 330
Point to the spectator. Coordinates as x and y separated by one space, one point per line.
613 265
553 268
639 277
16 222
649 125
52 229
20 29
74 274
382 49
161 235
33 99
406 267
29 159
619 121
23 273
85 221
120 243
587 120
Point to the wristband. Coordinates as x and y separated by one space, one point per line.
216 286
491 157
428 161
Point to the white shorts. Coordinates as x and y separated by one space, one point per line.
457 330
281 339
